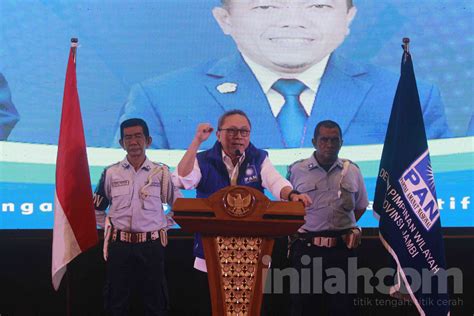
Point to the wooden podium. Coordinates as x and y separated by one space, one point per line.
237 225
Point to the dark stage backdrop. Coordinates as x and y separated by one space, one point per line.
125 42
25 277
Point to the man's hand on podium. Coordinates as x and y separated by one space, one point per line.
295 196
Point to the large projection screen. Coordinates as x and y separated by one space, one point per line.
124 43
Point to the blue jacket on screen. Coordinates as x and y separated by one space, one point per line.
215 176
8 114
357 96
470 127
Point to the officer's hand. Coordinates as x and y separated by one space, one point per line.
203 132
303 197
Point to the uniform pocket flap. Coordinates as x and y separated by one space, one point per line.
120 190
349 187
153 190
305 188
152 203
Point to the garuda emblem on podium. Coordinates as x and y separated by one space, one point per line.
239 202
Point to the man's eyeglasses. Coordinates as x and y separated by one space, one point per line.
233 131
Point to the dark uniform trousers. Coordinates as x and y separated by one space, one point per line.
312 271
138 267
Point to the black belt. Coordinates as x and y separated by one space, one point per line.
134 238
324 233
328 238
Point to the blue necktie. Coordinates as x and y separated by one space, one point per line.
292 117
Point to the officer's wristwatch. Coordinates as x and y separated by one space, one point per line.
291 193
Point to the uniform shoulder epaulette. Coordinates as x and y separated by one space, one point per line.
112 165
350 161
296 162
288 170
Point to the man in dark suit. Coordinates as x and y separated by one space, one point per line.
286 78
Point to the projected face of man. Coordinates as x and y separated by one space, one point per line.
286 35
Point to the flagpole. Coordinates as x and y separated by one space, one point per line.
74 44
68 292
405 199
406 50
406 42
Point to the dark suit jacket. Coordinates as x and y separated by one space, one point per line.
358 97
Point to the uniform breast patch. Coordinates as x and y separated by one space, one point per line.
120 183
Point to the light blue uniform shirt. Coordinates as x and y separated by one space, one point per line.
334 197
129 209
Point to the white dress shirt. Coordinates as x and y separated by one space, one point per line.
311 78
271 180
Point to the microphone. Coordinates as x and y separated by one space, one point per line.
237 153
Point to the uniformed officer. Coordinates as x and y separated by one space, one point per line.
330 234
135 190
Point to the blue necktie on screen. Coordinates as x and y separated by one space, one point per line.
292 117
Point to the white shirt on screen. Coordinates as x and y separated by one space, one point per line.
311 78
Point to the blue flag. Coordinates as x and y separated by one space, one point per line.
405 200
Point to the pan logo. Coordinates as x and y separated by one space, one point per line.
250 174
418 187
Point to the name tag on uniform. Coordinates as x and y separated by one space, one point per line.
119 183
250 174
155 184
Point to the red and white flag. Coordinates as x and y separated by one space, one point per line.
74 220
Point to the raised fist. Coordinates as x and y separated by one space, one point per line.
203 132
